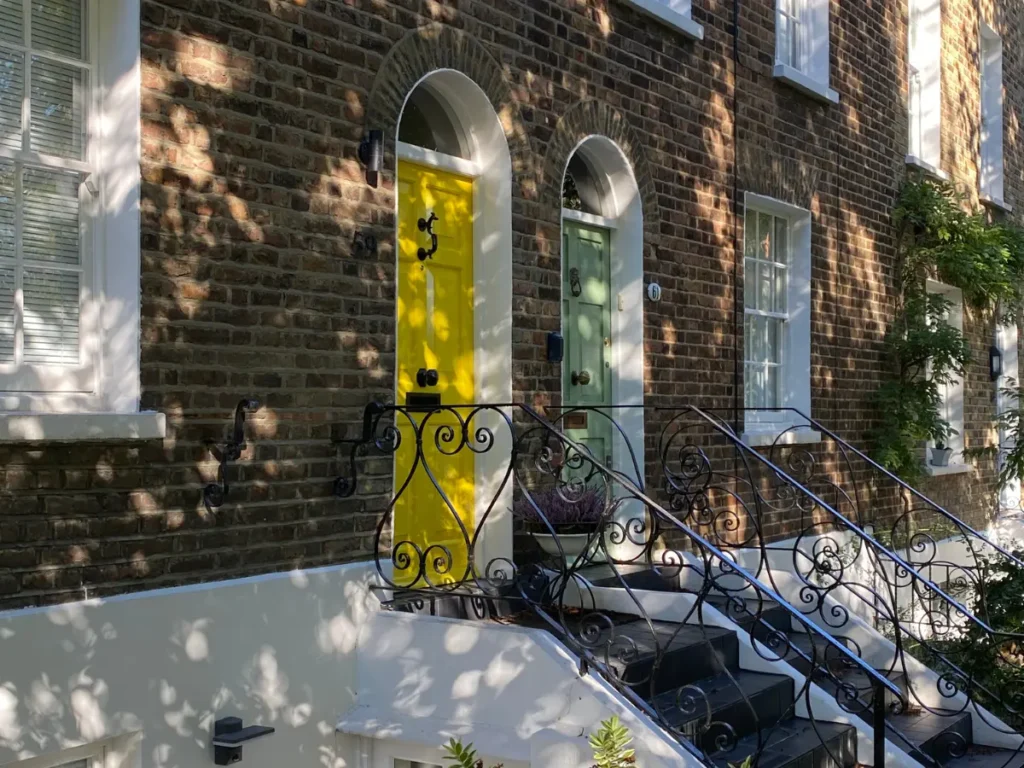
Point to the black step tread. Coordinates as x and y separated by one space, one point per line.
988 757
666 635
646 577
722 691
797 743
922 726
769 611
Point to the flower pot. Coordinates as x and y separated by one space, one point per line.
940 456
573 545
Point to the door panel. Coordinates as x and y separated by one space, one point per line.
435 333
587 319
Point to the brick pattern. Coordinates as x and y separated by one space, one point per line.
253 284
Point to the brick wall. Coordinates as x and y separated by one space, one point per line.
252 197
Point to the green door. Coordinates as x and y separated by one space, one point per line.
587 375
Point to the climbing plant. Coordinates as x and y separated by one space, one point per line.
938 237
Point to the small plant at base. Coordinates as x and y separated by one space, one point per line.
461 755
748 762
611 745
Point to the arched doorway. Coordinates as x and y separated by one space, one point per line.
602 298
453 318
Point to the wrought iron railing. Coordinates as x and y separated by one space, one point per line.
454 475
879 544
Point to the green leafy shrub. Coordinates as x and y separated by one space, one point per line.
937 237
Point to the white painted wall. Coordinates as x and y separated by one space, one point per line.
149 673
514 693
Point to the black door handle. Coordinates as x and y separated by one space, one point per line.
426 377
427 225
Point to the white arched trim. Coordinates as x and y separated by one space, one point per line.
622 215
490 165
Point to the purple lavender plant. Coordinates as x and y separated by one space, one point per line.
565 515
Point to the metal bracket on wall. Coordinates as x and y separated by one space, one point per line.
214 494
229 736
345 484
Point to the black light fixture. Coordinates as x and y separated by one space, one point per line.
995 362
371 154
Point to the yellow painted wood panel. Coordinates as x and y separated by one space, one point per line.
434 513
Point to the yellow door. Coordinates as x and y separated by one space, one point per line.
433 518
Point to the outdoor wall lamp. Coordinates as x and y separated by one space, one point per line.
995 362
371 154
229 736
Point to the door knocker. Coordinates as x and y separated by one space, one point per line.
427 225
574 282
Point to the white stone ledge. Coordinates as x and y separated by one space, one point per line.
916 162
74 427
805 84
782 435
949 469
996 202
657 10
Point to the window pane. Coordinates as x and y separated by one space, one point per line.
12 91
749 283
773 340
765 286
7 314
50 216
757 338
750 235
764 233
781 288
7 211
782 241
51 316
57 26
771 388
58 108
11 21
782 38
754 386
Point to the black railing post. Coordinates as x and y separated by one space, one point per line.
878 723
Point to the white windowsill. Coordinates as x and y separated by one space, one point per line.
805 84
995 202
72 427
663 13
931 170
763 436
951 469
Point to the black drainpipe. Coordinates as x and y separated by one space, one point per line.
737 246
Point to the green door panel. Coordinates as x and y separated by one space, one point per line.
586 292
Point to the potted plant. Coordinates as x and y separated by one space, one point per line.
940 454
573 517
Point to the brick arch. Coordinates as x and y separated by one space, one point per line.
433 47
588 118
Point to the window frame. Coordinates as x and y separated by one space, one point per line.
675 13
957 422
811 74
796 343
110 320
991 119
95 755
20 376
924 63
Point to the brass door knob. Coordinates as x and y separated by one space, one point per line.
582 378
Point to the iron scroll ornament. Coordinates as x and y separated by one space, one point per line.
427 225
214 494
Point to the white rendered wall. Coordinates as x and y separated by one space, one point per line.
155 669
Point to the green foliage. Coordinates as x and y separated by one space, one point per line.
748 762
611 745
937 238
461 755
992 662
